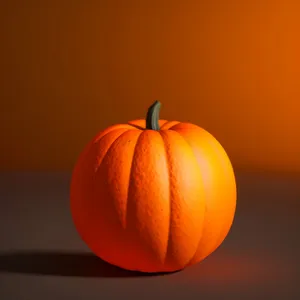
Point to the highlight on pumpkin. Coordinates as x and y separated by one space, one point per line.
156 200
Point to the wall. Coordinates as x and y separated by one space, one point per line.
71 68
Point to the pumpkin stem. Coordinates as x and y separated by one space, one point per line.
152 119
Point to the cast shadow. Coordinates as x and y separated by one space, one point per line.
76 264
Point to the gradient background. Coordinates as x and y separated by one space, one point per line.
71 68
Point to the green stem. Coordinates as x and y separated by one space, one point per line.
152 119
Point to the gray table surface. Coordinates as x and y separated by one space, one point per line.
42 257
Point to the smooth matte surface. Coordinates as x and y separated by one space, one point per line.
71 68
42 257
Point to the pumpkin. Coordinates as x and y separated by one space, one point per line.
153 195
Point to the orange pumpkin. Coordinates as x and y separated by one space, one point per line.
153 195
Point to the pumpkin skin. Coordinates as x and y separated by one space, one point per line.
153 200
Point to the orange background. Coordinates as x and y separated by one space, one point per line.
71 68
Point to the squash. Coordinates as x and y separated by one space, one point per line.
153 195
